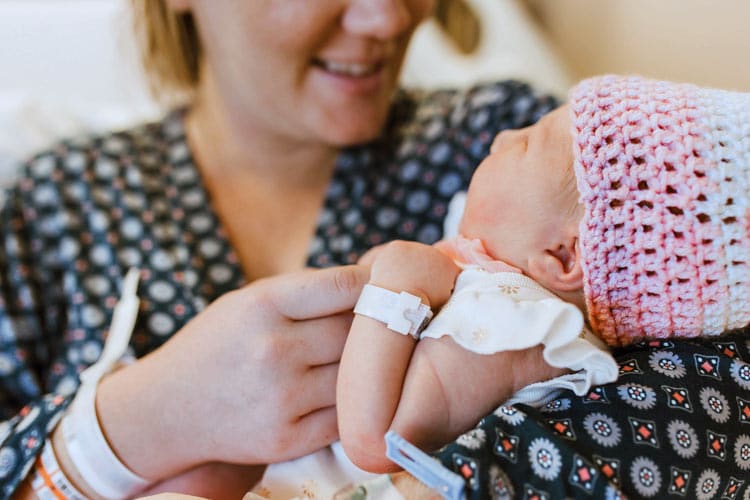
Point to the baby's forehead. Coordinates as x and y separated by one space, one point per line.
557 121
556 142
554 134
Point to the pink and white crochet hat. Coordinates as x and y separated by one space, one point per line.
663 172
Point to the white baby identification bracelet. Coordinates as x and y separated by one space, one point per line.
87 447
401 312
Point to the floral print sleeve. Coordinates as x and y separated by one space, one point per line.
80 215
29 313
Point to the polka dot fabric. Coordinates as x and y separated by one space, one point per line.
664 173
85 211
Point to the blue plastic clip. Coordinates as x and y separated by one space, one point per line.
422 466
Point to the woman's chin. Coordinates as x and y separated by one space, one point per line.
359 131
346 121
355 139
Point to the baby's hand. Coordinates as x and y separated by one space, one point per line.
413 267
369 256
375 359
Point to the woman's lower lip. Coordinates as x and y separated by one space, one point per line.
353 84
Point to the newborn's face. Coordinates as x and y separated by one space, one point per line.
524 192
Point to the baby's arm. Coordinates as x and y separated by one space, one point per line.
375 359
448 389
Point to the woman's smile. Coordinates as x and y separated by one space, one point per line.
360 77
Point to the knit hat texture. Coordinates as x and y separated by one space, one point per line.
663 172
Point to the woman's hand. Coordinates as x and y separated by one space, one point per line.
213 480
249 380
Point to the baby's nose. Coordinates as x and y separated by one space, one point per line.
495 143
501 139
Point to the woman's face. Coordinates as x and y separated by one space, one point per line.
312 70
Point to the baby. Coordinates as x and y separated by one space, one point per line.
639 224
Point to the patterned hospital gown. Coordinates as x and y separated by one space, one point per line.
85 211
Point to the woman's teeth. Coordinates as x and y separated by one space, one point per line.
349 69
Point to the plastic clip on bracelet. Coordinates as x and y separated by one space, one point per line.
423 467
401 312
87 447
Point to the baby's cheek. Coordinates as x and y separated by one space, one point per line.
481 207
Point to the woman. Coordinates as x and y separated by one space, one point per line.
292 151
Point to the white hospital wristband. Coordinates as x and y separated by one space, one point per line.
401 312
48 481
84 440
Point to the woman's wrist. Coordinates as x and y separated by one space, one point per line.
66 464
87 457
141 425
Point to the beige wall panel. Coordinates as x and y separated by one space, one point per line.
701 41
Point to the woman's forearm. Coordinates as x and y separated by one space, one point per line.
140 417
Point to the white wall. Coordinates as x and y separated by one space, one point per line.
706 42
72 53
66 67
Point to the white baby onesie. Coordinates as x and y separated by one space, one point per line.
489 312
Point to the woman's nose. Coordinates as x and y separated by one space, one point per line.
381 19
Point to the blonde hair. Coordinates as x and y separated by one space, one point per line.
460 22
170 50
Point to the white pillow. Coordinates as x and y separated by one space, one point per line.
68 67
512 46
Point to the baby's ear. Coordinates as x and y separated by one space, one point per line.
558 268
